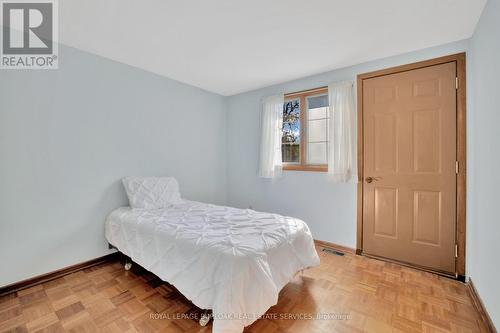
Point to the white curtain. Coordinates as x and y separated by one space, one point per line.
341 149
270 143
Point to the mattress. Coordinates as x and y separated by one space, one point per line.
232 261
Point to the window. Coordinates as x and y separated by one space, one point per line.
304 142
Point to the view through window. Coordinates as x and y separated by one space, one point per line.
290 140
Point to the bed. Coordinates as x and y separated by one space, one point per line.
231 261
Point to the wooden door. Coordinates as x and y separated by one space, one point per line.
409 168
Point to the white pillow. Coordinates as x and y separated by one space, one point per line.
152 192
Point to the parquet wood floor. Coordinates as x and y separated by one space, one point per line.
373 296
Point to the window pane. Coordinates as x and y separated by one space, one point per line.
315 102
317 130
317 153
290 140
318 113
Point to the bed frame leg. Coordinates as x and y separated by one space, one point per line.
128 264
205 318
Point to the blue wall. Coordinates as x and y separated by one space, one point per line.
483 220
67 136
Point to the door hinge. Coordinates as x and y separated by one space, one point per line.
456 83
456 250
456 167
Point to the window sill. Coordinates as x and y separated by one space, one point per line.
313 168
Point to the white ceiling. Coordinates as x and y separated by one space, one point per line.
232 46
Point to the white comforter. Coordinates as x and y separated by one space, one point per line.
233 261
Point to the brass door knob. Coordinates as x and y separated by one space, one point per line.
371 179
